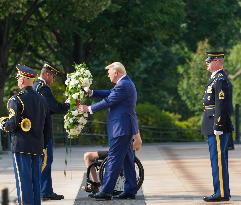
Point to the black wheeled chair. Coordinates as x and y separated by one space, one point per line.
99 166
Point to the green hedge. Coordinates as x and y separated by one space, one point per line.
155 125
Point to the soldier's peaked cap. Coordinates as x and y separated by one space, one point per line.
49 68
214 54
25 71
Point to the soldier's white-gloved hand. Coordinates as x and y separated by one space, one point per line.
1 126
88 91
218 132
67 101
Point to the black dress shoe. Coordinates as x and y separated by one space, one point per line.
92 195
115 193
52 196
214 198
231 148
101 196
124 195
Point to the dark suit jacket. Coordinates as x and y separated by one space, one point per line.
121 101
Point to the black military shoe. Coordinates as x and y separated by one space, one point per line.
52 196
214 198
101 196
92 195
115 193
230 147
124 195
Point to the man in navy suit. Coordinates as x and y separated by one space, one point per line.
121 126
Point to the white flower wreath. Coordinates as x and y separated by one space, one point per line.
74 120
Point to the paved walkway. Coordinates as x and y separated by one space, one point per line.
175 173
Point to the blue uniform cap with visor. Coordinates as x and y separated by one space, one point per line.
49 68
213 55
25 71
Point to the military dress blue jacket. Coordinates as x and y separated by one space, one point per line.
27 104
121 104
54 106
217 105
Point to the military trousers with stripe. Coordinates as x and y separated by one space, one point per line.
46 177
218 149
27 175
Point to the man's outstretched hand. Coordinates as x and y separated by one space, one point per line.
82 108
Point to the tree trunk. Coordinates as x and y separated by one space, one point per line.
76 49
3 60
2 82
79 54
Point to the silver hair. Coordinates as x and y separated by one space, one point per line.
117 66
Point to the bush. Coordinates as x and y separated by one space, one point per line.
157 125
190 129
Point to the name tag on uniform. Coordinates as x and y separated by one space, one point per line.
209 90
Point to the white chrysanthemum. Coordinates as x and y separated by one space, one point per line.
75 96
86 82
71 120
75 113
74 132
85 114
87 72
81 94
75 121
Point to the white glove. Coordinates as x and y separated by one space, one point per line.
88 91
218 132
67 101
1 126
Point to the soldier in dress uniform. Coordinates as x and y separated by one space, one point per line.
217 124
26 124
42 86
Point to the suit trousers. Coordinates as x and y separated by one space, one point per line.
46 177
120 156
218 149
27 175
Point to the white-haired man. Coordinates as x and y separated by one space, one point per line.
121 126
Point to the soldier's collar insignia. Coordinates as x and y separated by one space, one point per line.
220 75
221 95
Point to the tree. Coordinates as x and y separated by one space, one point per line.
233 66
193 79
25 36
14 17
215 20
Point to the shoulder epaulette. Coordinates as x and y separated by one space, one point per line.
11 98
20 100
